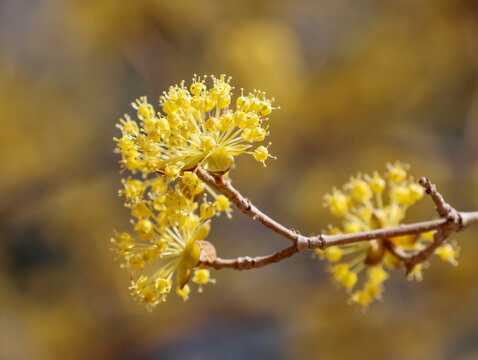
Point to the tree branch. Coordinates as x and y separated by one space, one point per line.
225 187
247 262
451 221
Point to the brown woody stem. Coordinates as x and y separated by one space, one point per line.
450 221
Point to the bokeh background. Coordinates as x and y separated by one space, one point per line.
359 83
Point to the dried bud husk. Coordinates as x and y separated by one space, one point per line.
208 251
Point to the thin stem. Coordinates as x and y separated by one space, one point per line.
225 187
246 262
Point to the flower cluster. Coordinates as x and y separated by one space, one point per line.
169 226
170 206
370 202
197 127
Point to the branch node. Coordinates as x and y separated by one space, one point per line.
320 242
302 243
461 226
243 262
248 203
218 179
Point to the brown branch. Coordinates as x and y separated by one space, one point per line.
402 229
225 187
444 209
454 222
451 221
247 262
439 238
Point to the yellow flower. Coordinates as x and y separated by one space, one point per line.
184 292
145 229
448 253
172 172
190 184
223 204
333 253
133 189
168 230
360 190
377 183
141 209
397 172
202 277
338 202
207 210
364 297
416 273
261 154
349 280
344 276
376 275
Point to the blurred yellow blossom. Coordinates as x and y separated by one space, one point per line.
448 252
362 206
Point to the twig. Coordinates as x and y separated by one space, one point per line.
454 222
246 262
451 221
444 209
225 187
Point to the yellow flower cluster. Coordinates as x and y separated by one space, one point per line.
197 127
170 206
370 202
168 231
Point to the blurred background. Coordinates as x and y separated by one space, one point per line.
359 83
